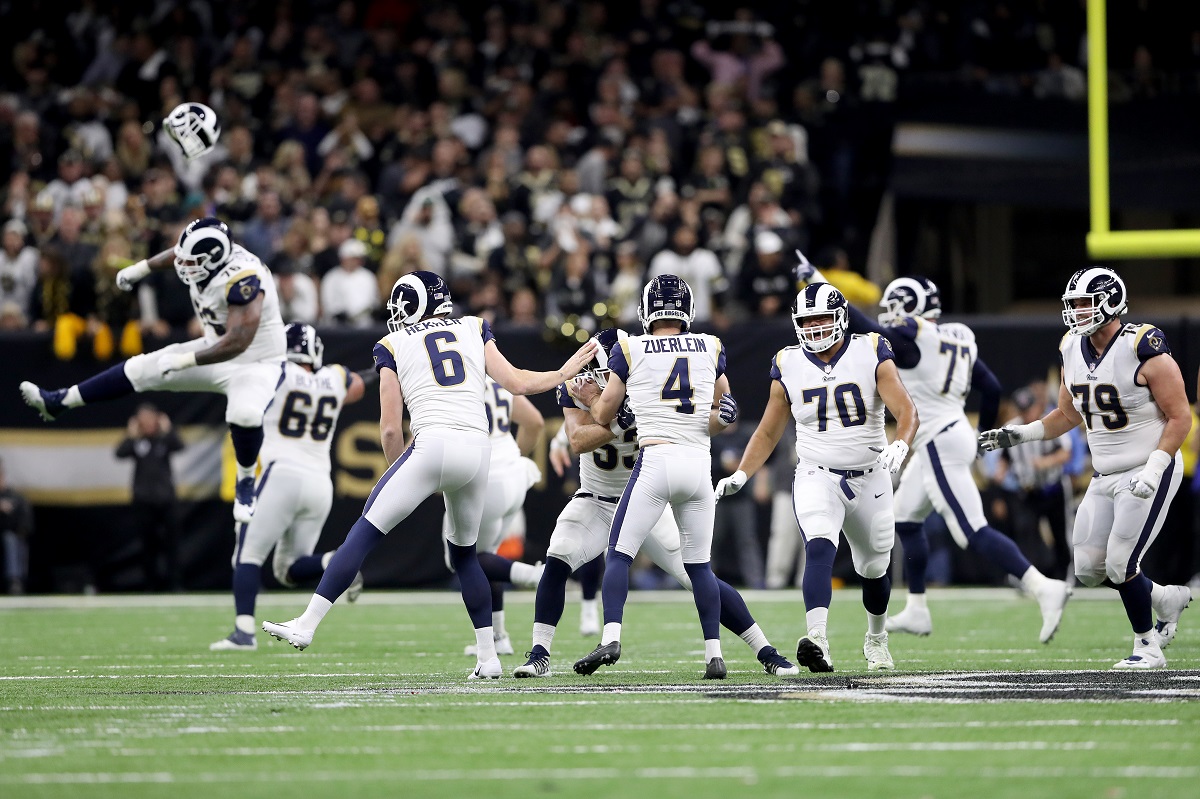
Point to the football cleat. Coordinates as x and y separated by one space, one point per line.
875 650
1177 598
488 670
503 647
1146 655
237 640
535 666
48 404
812 651
356 588
776 664
602 655
915 621
243 501
715 670
589 621
1052 598
290 632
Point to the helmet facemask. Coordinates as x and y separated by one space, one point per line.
196 134
1086 319
820 337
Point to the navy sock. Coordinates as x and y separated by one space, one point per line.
345 563
589 576
876 593
247 441
246 580
916 554
707 594
305 569
497 597
995 547
497 568
473 583
735 616
551 595
615 588
817 583
1135 594
109 384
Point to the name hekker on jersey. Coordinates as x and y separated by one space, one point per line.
837 407
440 366
298 425
670 382
238 283
605 470
941 380
1123 422
497 407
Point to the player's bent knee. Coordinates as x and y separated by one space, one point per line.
244 417
280 569
1116 570
569 552
1088 569
873 567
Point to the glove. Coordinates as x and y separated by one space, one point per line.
727 410
1145 483
175 362
1010 435
892 456
731 484
533 475
624 419
806 272
128 277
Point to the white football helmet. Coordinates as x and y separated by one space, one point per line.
194 127
820 299
910 296
204 247
608 339
1106 291
304 346
415 297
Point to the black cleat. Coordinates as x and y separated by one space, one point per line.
812 651
603 655
715 670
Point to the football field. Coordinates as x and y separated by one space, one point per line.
120 697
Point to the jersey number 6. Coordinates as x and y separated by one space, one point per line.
447 364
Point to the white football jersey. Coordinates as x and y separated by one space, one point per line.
670 382
837 407
1123 422
941 380
440 366
237 283
298 425
497 406
605 470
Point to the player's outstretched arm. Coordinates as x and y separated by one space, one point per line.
530 424
391 415
523 381
606 406
766 436
128 277
1054 424
583 433
358 387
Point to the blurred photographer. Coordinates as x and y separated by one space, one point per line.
151 441
16 525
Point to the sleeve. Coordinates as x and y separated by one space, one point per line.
902 338
346 374
1150 342
485 331
562 398
243 288
720 356
776 374
989 387
384 356
883 348
618 361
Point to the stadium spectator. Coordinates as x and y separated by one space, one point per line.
834 263
349 292
16 527
18 266
263 234
150 441
765 285
698 266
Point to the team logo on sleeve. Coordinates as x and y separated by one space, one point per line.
247 291
1155 342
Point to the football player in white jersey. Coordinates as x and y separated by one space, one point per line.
673 379
241 354
1121 382
294 492
940 364
836 388
510 475
438 367
608 454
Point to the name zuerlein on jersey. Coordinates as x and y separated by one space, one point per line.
673 344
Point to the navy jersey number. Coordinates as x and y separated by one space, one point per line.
300 416
679 387
500 418
848 399
955 350
606 457
1108 405
447 365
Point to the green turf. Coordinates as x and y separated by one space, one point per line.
119 698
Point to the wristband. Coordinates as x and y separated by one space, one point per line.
1158 461
1034 431
137 271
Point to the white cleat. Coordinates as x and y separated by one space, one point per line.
912 620
290 632
589 621
1177 598
356 588
488 670
812 651
1052 598
1146 655
503 647
875 650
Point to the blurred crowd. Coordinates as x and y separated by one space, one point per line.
545 156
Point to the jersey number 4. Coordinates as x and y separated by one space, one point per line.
1108 405
844 396
679 387
299 415
447 365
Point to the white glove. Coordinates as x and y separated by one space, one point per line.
731 484
892 456
1145 483
175 362
128 277
1011 435
533 475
